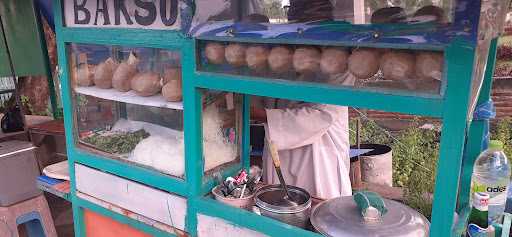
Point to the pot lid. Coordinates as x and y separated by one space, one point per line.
340 217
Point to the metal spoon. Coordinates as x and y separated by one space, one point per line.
287 198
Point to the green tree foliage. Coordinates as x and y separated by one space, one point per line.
415 166
370 133
273 9
503 132
415 156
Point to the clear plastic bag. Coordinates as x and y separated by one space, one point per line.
299 11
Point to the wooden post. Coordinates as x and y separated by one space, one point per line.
355 164
359 13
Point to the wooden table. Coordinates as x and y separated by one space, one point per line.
31 120
13 136
50 139
51 127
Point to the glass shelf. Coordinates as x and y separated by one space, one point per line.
129 97
415 72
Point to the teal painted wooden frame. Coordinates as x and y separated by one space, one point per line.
135 38
452 107
477 129
194 184
83 204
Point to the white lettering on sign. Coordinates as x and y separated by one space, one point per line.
146 14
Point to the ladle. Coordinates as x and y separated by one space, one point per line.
287 198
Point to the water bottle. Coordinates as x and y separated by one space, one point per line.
478 222
491 175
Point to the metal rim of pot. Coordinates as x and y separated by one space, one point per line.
280 209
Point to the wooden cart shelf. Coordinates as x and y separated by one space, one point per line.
59 188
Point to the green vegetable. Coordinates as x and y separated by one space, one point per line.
117 143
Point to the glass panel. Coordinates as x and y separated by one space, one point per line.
380 69
128 104
222 130
315 166
296 11
479 67
492 18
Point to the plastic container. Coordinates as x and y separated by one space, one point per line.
244 203
491 175
18 172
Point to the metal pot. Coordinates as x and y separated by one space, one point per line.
376 165
269 201
340 217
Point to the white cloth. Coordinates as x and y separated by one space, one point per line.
313 144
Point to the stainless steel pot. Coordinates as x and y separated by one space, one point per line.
340 217
269 200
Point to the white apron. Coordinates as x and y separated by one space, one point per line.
313 144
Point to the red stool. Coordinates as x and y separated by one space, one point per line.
34 213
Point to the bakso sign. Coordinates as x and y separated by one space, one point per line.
147 14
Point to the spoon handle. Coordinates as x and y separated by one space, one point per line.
274 154
277 165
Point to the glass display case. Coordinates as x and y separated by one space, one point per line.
389 47
128 105
421 72
358 44
130 117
